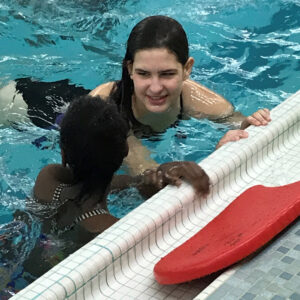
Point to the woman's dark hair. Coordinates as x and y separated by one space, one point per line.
93 137
151 32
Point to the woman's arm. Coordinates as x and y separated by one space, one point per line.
138 159
103 90
200 102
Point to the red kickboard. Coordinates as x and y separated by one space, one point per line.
244 226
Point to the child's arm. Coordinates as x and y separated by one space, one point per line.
153 180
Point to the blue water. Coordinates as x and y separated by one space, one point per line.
247 50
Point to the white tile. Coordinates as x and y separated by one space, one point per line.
59 291
77 278
68 284
139 240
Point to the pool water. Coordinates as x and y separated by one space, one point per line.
248 51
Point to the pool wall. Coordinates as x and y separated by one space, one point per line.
118 264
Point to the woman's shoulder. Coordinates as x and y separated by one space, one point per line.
103 90
200 102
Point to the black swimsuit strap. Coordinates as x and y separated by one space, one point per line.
84 216
94 212
180 115
144 131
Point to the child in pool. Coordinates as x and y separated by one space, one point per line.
72 195
93 141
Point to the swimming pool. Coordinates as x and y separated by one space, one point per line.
247 51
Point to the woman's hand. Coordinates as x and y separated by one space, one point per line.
259 118
232 136
174 172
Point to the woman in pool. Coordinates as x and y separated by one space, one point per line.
72 195
153 93
155 90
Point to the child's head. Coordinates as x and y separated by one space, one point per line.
93 139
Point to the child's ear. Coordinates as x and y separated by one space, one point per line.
188 67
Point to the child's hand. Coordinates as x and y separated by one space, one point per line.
174 172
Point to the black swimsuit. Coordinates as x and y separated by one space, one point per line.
47 100
145 131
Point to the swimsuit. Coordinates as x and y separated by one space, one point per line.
57 201
47 103
49 210
145 131
47 100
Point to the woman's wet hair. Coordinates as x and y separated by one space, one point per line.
158 32
152 32
93 138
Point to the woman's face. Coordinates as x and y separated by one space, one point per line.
157 77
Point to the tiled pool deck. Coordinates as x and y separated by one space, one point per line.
271 273
118 264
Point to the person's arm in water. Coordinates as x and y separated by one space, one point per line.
103 90
200 102
138 159
153 180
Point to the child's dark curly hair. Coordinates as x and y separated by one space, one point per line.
93 138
